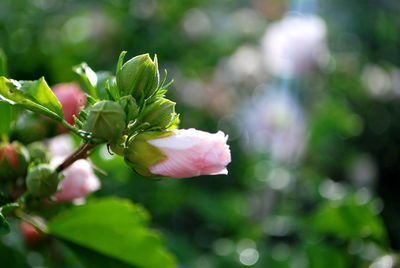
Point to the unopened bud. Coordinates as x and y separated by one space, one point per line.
38 152
139 77
106 120
42 180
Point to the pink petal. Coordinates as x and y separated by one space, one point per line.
192 153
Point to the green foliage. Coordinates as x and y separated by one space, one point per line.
11 257
32 95
115 228
3 63
348 220
320 255
353 135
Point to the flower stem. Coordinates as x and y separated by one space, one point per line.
73 129
81 153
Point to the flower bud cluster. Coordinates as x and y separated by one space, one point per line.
139 123
136 103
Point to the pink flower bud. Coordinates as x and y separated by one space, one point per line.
79 181
71 98
182 153
31 235
14 160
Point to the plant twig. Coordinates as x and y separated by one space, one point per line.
73 129
81 153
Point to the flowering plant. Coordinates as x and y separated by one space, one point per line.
128 112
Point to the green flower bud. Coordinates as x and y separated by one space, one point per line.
140 155
159 113
14 160
38 152
32 127
106 120
130 107
139 77
42 181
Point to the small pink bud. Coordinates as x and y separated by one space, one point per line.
31 235
79 181
183 153
71 98
14 159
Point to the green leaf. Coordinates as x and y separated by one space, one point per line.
92 259
115 228
32 95
348 220
7 208
88 78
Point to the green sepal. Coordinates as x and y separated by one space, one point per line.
130 107
159 114
112 89
119 146
120 62
140 155
174 123
77 121
88 78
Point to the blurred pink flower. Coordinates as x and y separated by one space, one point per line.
79 181
294 44
274 122
71 97
190 153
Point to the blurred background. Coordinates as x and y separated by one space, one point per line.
308 92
